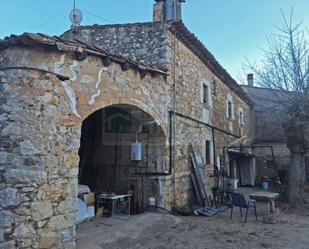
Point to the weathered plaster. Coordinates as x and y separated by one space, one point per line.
40 127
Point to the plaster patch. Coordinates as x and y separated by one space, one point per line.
69 91
147 94
166 99
162 110
98 92
59 65
73 69
93 96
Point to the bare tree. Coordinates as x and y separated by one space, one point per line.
285 67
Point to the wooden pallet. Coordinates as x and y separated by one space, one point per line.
200 178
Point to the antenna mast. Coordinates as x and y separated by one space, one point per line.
76 17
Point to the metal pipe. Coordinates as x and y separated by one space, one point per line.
174 121
214 148
203 123
151 174
170 142
273 155
248 146
59 76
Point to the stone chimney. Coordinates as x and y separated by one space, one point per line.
250 79
167 10
159 11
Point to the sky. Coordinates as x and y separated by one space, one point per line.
232 30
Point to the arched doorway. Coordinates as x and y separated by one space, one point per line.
119 144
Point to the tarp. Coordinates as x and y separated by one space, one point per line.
83 212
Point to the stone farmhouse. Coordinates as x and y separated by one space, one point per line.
71 108
271 153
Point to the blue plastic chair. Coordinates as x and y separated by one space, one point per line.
238 200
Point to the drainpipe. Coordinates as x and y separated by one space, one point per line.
174 121
214 148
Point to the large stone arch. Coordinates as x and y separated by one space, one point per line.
40 122
130 102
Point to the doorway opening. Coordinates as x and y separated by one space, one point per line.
119 144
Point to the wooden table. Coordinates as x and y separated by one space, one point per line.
265 197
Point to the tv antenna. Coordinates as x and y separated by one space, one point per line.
76 16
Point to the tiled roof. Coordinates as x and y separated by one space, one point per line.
182 32
208 59
193 43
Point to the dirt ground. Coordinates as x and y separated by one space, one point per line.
165 231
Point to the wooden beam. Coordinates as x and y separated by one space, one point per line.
80 56
106 61
154 74
142 73
125 66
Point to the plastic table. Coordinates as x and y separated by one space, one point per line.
114 198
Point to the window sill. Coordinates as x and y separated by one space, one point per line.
205 105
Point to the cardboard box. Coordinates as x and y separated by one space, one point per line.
99 213
89 199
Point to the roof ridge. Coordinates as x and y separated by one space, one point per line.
202 52
119 25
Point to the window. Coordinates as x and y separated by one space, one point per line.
205 94
241 118
229 109
207 155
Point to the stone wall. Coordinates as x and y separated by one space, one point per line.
41 120
264 158
144 42
191 74
40 126
153 43
267 115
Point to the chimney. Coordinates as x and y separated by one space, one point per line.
167 10
250 79
159 11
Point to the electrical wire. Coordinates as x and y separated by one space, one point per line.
100 17
49 20
89 18
58 23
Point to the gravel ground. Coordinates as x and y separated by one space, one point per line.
159 231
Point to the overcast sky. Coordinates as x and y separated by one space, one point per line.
230 29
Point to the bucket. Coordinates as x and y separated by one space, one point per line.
232 184
265 184
152 201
